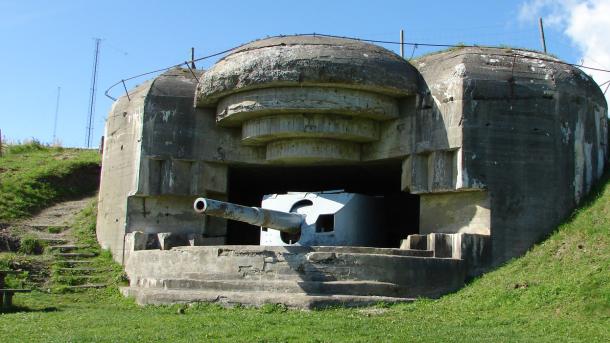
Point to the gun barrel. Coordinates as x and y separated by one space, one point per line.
282 221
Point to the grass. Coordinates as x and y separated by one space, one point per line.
32 176
458 46
558 291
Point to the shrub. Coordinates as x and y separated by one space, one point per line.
30 146
31 246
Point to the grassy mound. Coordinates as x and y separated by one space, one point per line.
32 176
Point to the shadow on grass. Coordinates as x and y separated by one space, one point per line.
19 309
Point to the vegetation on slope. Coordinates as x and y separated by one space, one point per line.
32 176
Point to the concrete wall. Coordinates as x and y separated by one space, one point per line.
534 136
120 167
461 212
184 156
161 153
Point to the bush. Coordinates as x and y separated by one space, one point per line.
31 246
30 146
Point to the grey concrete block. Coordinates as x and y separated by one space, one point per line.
442 244
201 240
168 240
416 242
476 251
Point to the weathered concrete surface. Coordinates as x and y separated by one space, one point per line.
306 151
301 271
283 89
157 159
534 135
120 164
307 61
465 212
474 250
226 298
235 108
262 130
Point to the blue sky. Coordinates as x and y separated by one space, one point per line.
46 44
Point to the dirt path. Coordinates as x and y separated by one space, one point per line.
59 215
53 223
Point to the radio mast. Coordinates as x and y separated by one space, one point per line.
93 90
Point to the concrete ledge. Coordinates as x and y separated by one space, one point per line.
309 150
363 288
254 299
290 126
236 108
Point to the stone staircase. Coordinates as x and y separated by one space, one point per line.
73 267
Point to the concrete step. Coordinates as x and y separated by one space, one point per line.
70 263
256 299
77 254
66 247
79 270
375 251
54 241
363 288
45 228
76 280
87 286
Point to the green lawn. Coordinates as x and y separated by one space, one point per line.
557 292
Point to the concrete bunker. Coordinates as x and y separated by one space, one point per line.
463 149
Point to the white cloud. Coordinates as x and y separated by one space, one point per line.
554 11
585 22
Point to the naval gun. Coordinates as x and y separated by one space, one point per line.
277 220
334 218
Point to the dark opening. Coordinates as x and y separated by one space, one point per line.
325 223
248 185
290 238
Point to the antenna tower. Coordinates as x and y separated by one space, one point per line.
91 114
